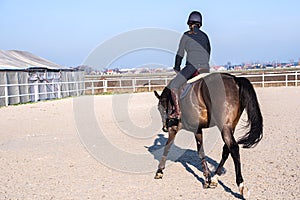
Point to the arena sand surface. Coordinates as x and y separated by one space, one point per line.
43 157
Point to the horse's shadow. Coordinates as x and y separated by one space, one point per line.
187 158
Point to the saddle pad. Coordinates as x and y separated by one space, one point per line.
196 78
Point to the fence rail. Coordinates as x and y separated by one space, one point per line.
57 90
125 85
267 80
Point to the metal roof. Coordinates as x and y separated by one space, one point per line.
22 60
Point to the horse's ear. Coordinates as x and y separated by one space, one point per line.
156 94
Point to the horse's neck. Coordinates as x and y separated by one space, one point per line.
189 103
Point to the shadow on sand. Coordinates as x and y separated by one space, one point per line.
187 158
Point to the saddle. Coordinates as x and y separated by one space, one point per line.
184 91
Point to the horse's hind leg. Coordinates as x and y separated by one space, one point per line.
227 135
225 155
162 163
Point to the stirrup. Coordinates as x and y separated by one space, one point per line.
172 122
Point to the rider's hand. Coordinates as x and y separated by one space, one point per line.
176 69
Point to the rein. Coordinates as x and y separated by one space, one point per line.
170 122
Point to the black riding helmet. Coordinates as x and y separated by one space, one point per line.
195 17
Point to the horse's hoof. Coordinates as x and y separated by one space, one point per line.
211 185
206 185
244 191
214 182
159 174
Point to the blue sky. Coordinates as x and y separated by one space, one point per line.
65 32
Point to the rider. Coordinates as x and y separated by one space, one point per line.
197 46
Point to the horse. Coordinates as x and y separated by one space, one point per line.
217 99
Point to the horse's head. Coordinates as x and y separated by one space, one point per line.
164 106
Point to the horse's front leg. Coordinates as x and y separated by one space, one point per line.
161 166
209 182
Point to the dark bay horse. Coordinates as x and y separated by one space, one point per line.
217 99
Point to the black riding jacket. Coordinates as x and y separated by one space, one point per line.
197 46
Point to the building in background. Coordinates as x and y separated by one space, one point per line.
25 77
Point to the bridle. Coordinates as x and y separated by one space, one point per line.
165 108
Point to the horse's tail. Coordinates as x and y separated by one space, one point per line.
249 102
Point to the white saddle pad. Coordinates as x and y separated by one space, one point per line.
196 78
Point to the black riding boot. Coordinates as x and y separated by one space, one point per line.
175 97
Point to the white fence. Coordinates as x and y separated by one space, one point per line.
54 90
148 84
125 84
42 91
282 79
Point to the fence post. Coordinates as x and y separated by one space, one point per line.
58 91
286 80
6 94
105 86
296 78
133 85
263 79
149 85
36 91
77 92
93 90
